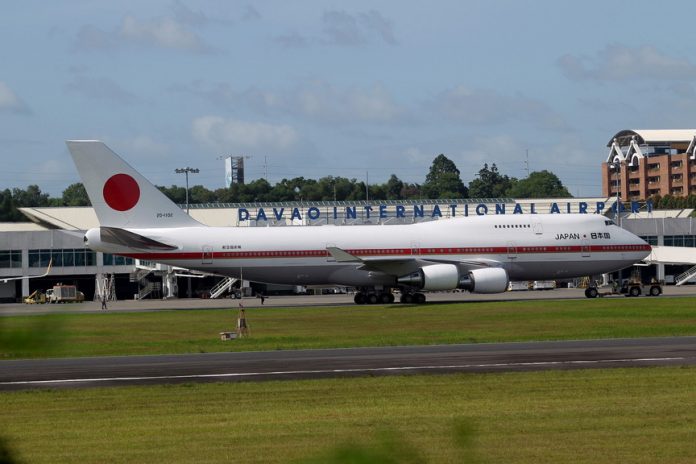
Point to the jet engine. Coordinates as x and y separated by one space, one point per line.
448 277
485 280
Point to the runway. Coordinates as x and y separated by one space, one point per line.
326 363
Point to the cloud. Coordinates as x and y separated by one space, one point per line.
292 40
488 107
345 29
225 135
100 88
163 32
621 63
10 102
145 145
90 37
250 13
315 100
339 28
185 15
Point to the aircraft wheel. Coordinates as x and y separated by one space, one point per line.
372 298
407 298
591 292
634 291
385 298
419 298
655 291
359 298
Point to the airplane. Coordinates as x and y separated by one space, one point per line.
480 254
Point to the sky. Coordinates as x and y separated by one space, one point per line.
360 89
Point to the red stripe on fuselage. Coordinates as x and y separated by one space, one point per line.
390 252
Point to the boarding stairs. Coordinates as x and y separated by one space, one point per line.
685 276
151 289
139 274
221 287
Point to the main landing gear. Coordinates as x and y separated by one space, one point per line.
387 297
373 298
410 298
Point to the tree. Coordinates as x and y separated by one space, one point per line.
490 183
394 187
75 195
539 184
200 194
32 196
8 210
443 180
174 193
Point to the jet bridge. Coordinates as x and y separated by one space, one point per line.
675 256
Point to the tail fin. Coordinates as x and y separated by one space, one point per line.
122 197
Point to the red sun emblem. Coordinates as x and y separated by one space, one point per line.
121 192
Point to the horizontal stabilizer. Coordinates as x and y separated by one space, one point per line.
128 239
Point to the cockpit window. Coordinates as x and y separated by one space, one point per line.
609 222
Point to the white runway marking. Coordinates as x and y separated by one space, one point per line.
335 371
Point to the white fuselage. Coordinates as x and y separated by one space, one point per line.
528 247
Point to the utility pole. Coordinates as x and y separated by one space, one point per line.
186 171
526 163
367 185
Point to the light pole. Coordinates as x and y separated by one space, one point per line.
186 171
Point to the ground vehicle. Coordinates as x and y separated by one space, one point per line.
64 294
37 297
544 285
628 287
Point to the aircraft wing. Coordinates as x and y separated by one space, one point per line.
401 266
48 271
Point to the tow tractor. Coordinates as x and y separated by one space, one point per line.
37 297
628 287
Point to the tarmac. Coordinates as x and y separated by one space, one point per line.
291 301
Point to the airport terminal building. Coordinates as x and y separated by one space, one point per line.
645 163
55 235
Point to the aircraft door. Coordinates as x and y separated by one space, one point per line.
538 229
207 257
585 249
415 248
511 250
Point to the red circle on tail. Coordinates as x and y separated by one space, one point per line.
121 192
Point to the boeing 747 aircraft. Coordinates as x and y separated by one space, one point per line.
480 254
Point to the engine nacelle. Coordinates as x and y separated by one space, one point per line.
447 277
435 277
486 280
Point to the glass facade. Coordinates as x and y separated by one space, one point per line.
680 240
10 259
69 257
115 260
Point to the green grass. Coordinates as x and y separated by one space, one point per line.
194 331
584 416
